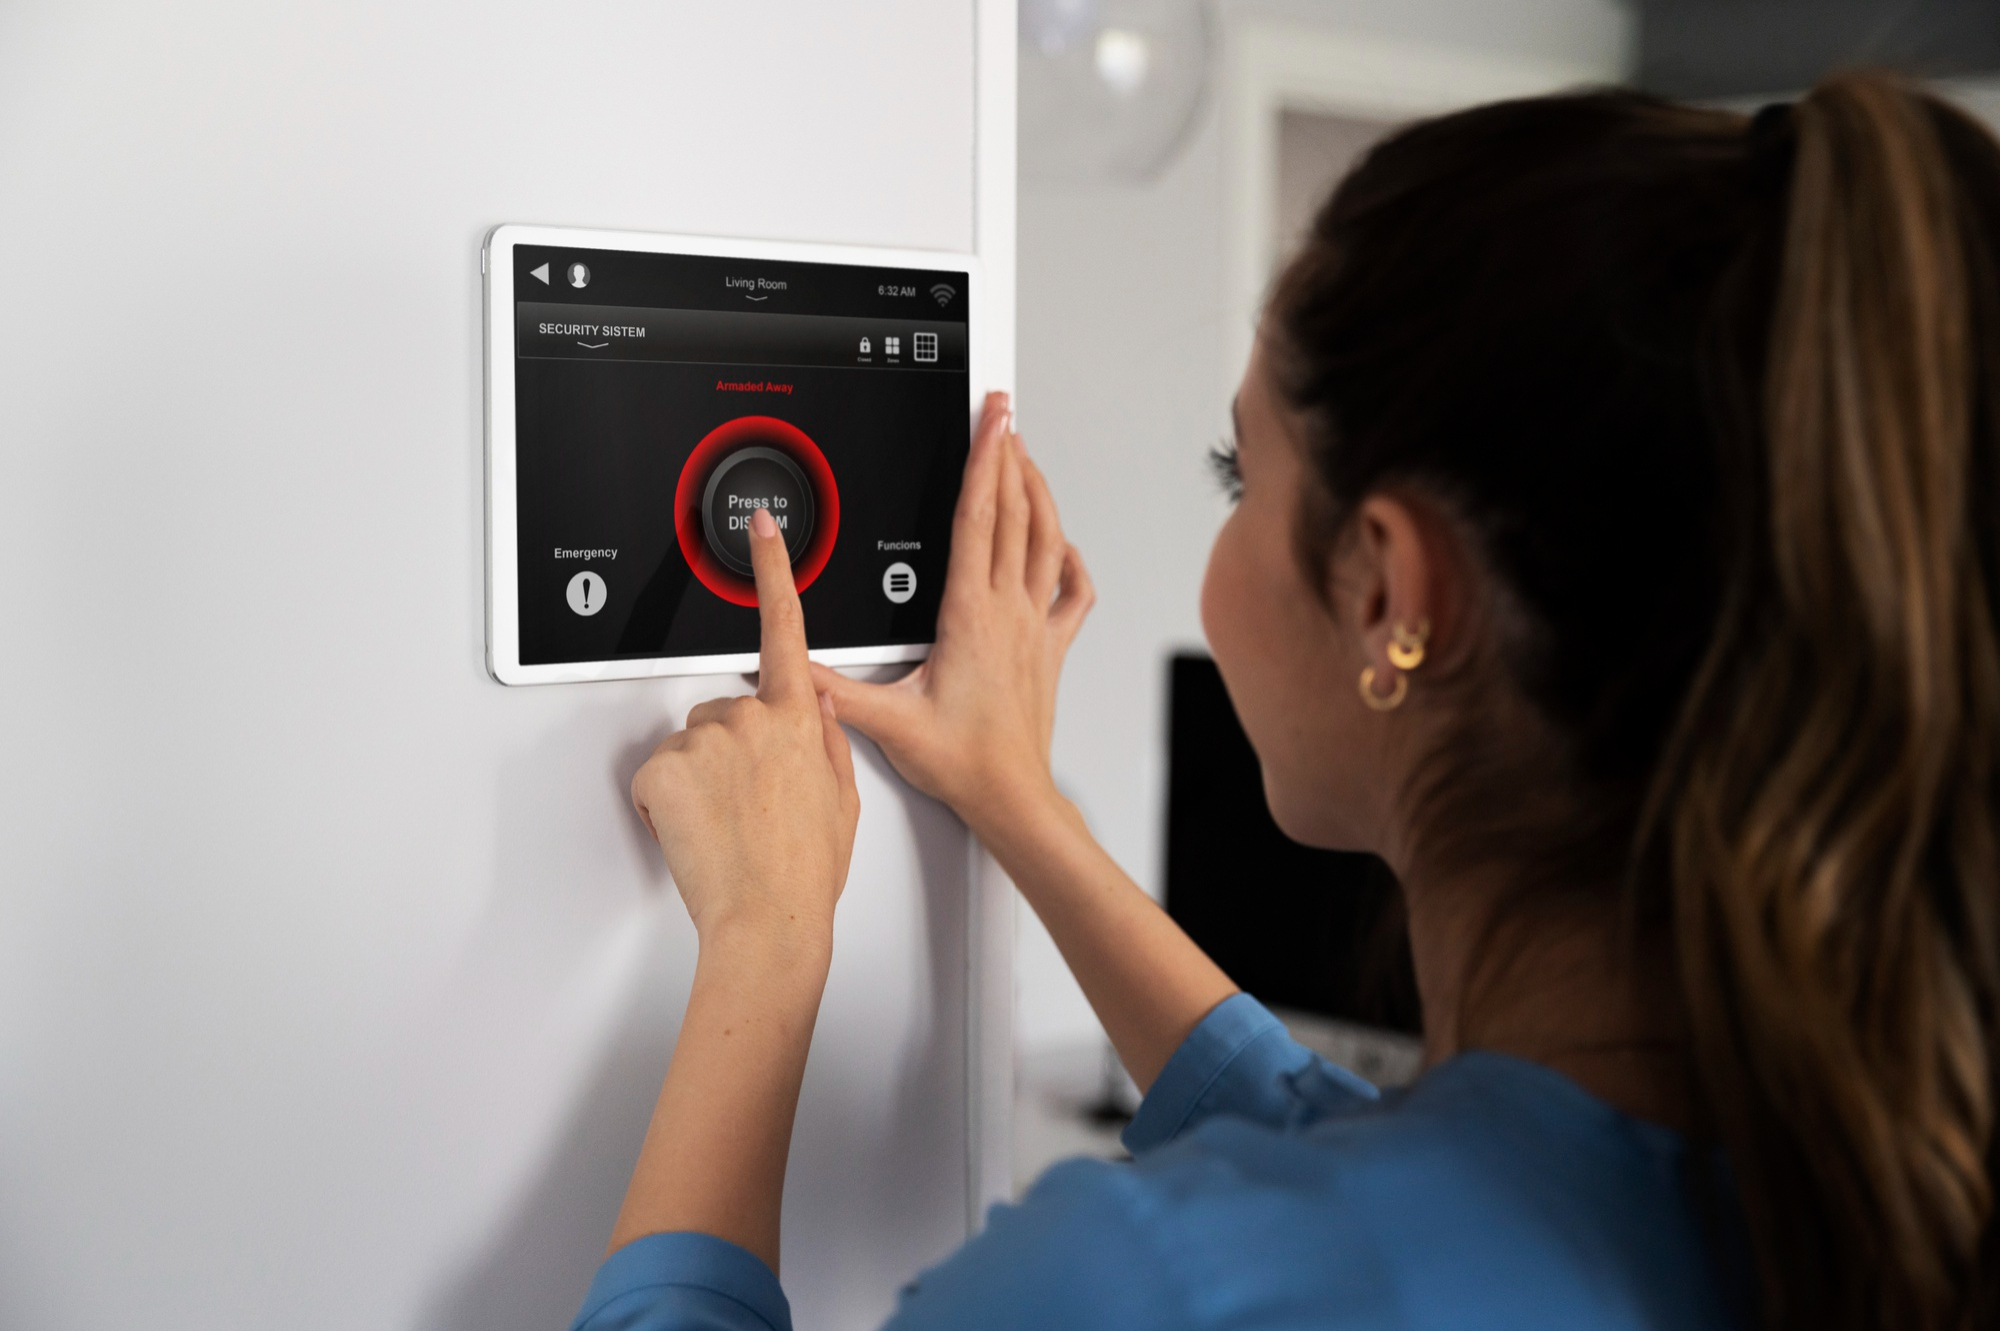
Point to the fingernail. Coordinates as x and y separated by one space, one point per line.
761 524
826 705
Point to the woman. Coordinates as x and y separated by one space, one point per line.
1615 555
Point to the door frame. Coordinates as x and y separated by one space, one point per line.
1272 67
989 915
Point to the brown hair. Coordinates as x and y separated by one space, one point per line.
1718 402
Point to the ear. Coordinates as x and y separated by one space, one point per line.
1404 568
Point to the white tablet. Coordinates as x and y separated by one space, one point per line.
645 394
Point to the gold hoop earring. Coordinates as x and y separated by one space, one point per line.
1380 702
1406 646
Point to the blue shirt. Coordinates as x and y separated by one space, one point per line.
1269 1188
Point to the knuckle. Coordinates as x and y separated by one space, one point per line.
651 780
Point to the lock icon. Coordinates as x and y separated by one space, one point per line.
864 346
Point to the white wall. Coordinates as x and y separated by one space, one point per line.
1125 383
336 980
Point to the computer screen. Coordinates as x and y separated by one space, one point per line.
1319 931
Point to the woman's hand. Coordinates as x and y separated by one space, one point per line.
754 805
754 802
971 725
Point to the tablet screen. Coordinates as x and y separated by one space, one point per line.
662 399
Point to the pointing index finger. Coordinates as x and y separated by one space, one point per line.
978 505
783 673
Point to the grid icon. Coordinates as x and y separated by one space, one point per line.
892 346
925 347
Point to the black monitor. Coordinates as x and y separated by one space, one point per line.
1318 931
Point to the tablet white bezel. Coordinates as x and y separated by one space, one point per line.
503 624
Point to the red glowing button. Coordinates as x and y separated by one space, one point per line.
742 465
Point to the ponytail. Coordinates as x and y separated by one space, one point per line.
1828 821
1717 406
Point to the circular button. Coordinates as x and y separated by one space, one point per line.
899 582
745 481
586 593
740 466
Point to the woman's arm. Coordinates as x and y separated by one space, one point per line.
714 1157
1147 980
971 726
754 805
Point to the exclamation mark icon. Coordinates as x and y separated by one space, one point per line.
586 593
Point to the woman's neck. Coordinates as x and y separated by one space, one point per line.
1567 988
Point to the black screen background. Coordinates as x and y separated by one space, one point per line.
600 445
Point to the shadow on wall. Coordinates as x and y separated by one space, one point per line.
533 1269
849 1159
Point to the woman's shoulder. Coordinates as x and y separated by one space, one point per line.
1494 1192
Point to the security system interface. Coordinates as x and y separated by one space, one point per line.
662 399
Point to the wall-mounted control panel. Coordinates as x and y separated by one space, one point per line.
647 394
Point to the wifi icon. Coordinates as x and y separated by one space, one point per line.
943 293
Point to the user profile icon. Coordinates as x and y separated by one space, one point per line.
579 275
